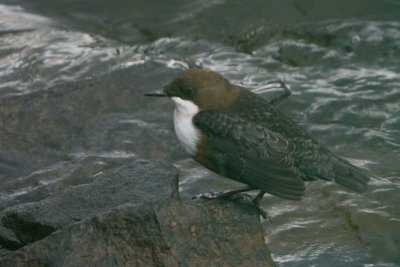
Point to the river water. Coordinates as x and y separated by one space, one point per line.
72 75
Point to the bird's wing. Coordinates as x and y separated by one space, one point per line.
252 153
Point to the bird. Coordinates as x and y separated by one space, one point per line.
237 134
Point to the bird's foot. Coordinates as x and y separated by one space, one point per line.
223 194
262 212
210 195
216 195
234 194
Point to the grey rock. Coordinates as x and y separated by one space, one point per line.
39 129
37 194
8 238
214 233
4 252
138 182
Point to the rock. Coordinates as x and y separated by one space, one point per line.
215 233
102 114
132 216
138 182
8 239
3 252
37 194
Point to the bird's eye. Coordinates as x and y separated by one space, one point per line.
187 91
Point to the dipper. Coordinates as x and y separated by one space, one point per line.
237 134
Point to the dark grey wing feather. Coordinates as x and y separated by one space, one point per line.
252 153
313 159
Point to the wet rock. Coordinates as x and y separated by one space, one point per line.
37 194
84 121
132 216
138 182
215 233
4 252
8 239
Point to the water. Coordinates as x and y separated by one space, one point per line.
72 74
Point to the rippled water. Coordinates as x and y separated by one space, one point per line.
72 74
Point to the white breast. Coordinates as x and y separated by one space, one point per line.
186 132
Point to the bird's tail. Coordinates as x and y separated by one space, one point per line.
349 176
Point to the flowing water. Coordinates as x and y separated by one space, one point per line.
72 75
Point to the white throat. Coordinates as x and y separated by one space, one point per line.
188 135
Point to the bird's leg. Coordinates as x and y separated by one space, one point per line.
258 198
277 100
223 194
256 201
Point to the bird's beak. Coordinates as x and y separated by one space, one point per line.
156 94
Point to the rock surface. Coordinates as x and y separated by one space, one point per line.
49 129
170 234
138 182
8 239
132 216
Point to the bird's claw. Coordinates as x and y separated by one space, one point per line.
217 195
223 194
209 195
263 214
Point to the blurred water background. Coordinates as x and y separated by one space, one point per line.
72 75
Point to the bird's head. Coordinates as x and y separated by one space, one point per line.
202 88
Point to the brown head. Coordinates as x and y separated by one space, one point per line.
205 88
